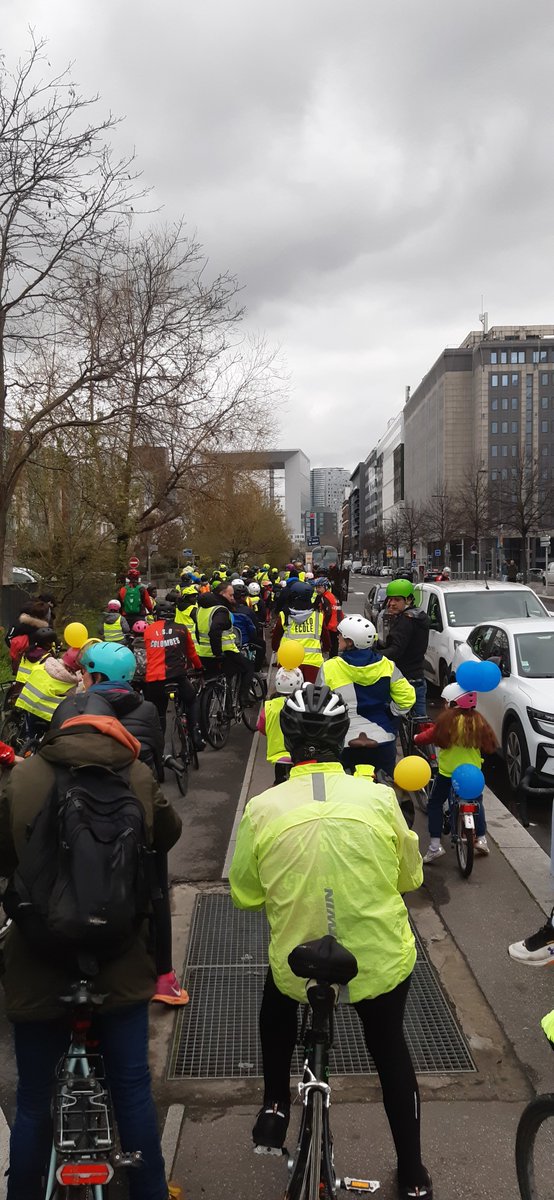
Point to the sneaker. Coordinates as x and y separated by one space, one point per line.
175 1193
433 854
169 990
421 1191
270 1129
536 950
482 846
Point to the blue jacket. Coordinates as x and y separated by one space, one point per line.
374 690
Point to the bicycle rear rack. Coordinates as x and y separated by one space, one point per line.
82 1111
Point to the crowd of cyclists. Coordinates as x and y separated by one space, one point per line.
331 726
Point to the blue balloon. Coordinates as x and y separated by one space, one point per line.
468 781
478 676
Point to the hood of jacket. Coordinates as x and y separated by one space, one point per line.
361 658
56 670
110 617
121 698
33 622
209 600
299 615
90 741
416 614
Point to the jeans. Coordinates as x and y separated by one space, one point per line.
382 1020
39 1045
439 793
420 706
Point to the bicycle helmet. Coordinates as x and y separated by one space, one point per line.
323 583
165 610
42 637
253 589
401 587
314 720
300 594
239 586
361 632
72 659
454 694
287 682
139 626
113 605
111 659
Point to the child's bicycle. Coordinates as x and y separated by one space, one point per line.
459 822
325 965
84 1154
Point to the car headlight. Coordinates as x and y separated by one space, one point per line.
542 722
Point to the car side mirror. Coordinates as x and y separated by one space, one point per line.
504 669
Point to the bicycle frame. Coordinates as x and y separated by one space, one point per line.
467 809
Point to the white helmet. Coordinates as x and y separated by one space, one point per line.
309 574
254 589
114 605
446 571
360 631
288 682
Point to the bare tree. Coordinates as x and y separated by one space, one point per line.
442 519
63 199
474 500
412 522
524 503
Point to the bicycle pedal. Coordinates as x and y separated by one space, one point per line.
276 1150
361 1186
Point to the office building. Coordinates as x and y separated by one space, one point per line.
327 486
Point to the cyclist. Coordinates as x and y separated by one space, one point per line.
113 626
331 610
135 600
407 638
169 651
323 852
302 624
461 735
256 602
185 597
246 622
49 682
18 638
286 682
217 645
34 984
374 690
42 643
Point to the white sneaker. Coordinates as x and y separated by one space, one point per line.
482 846
433 854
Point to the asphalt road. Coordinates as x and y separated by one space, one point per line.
540 814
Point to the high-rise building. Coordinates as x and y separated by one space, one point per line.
327 488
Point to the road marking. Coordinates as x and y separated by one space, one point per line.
359 593
241 805
170 1136
4 1153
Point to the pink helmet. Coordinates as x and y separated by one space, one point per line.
139 626
70 659
114 605
454 694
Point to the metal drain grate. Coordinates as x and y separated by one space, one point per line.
216 1035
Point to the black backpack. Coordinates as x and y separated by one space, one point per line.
83 882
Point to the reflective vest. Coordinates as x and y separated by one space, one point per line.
204 617
42 694
276 749
309 636
112 631
26 666
253 602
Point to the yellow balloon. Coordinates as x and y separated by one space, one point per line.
290 654
75 634
412 773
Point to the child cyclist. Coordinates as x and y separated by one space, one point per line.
461 735
286 683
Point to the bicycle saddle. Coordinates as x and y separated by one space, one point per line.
324 959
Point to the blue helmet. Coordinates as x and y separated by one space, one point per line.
111 659
300 594
322 582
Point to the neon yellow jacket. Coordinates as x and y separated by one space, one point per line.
329 853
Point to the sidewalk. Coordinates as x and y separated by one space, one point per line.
469 1121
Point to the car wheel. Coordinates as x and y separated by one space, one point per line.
516 754
444 675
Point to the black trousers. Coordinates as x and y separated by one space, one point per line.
156 692
382 1020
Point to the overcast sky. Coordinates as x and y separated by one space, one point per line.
367 168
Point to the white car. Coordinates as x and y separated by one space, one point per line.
357 566
521 708
455 608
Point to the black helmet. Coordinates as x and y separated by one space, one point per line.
165 611
314 720
300 594
42 637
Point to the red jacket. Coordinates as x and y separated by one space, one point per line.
169 650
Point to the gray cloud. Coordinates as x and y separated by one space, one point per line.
367 170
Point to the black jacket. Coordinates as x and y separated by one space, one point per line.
140 717
407 641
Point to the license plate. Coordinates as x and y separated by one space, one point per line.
468 821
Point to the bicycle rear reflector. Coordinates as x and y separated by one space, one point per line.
75 1174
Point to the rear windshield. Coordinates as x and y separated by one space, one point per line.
473 608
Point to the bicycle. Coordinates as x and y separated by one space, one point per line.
325 965
84 1155
183 750
459 821
409 726
221 706
533 1156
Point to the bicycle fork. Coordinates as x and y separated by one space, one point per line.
306 1087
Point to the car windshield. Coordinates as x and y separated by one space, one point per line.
473 608
535 655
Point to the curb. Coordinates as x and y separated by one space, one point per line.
530 863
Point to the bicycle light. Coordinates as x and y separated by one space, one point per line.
75 1174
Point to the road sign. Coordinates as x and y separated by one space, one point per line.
437 553
313 541
545 541
134 563
474 549
188 553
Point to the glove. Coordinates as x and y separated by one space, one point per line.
7 755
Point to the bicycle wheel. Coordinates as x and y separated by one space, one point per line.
314 1169
12 728
298 1181
404 735
215 721
535 1148
179 753
251 710
465 843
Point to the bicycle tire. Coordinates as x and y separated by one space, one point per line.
316 1146
214 720
251 711
465 847
404 736
179 753
533 1116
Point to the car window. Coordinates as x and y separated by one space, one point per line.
535 655
500 649
481 640
470 608
434 612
